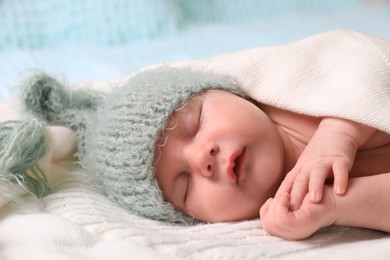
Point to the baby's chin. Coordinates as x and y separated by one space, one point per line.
225 219
233 216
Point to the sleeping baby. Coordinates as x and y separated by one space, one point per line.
185 144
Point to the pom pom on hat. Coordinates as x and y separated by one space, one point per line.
51 101
118 132
22 144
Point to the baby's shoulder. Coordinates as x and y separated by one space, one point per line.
301 126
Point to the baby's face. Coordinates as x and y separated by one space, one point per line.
219 158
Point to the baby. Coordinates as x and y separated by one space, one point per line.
183 145
222 157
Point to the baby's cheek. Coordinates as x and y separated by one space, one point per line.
222 207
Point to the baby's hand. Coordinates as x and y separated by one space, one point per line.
279 220
330 153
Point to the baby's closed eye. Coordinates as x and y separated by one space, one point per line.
183 188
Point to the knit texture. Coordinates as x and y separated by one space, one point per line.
340 73
40 23
78 222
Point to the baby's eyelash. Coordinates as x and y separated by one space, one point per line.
187 186
198 121
200 117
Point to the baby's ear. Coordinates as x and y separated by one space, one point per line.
50 100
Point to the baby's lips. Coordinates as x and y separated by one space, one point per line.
235 162
239 163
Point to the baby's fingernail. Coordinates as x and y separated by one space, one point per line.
315 196
339 190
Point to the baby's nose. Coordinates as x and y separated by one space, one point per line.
204 161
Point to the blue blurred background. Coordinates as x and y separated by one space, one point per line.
86 40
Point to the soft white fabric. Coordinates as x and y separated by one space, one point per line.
340 73
76 221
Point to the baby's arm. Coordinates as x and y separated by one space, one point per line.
365 204
331 150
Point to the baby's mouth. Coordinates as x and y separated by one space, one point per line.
238 163
235 166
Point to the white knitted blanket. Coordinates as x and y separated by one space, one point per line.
78 222
338 73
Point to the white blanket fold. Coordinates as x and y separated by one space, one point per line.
339 73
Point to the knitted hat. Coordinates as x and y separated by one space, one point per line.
118 132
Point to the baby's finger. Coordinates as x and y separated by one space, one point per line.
284 201
317 182
287 183
299 191
281 206
340 172
264 208
280 202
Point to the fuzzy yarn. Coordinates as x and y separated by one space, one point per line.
22 144
51 101
117 132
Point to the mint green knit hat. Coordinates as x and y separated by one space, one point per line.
117 132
